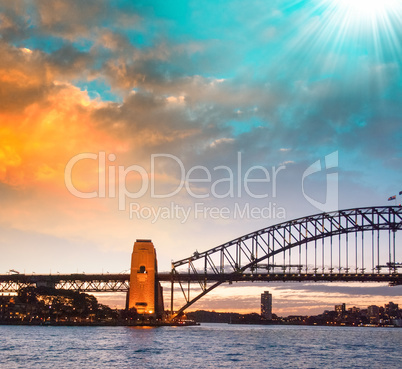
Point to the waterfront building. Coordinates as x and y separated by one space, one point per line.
354 310
391 310
373 313
340 309
266 305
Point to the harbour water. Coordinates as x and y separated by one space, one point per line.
204 346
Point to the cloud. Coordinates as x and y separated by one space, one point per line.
221 141
69 18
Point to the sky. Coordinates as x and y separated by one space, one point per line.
192 123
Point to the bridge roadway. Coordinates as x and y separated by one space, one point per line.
121 282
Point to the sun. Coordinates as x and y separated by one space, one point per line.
367 4
360 39
376 19
367 8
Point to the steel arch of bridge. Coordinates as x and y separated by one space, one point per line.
337 257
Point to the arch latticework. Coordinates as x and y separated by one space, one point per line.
353 244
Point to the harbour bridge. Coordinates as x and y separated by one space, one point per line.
359 244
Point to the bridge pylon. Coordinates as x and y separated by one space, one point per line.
145 293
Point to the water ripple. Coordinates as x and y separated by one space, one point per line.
205 346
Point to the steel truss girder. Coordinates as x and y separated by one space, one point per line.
241 257
72 282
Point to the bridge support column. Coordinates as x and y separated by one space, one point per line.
171 299
145 294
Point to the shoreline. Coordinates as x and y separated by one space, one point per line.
175 324
104 324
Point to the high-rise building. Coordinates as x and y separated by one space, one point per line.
266 305
340 309
373 313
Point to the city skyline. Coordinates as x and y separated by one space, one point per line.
193 123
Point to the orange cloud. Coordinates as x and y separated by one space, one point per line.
37 142
43 122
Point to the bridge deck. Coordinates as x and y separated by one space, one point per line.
120 282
